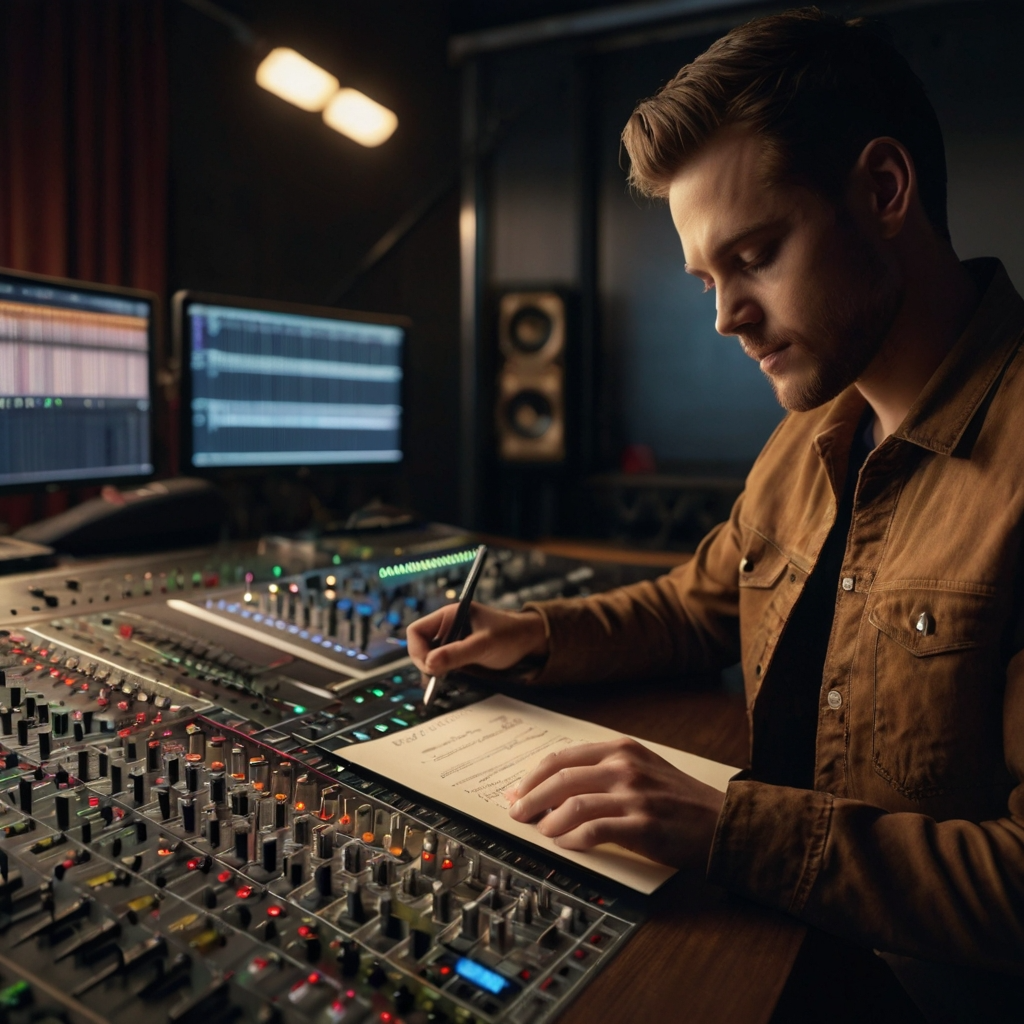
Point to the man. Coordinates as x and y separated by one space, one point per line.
869 576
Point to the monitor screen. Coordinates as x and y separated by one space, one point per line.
271 385
74 381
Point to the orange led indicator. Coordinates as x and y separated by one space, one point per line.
368 837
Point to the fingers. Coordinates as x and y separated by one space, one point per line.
565 784
627 831
578 810
570 757
421 633
471 651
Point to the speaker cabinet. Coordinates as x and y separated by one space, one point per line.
530 410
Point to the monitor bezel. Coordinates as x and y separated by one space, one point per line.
153 338
180 303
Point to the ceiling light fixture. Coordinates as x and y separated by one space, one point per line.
363 120
291 76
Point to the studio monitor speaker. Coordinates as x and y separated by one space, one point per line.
531 403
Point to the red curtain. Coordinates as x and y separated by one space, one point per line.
83 159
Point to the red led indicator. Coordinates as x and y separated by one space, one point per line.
224 877
313 978
243 892
446 864
193 863
446 970
94 801
427 855
525 974
386 1017
596 938
580 954
305 932
55 672
274 911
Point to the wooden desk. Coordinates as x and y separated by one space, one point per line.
704 957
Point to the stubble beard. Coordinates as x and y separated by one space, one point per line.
849 334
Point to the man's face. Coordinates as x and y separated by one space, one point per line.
808 293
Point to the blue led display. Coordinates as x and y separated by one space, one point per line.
487 979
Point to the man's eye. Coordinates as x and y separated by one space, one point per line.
762 260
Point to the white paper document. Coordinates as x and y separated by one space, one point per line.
469 759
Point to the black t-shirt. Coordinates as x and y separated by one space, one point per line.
783 754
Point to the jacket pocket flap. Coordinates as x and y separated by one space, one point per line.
928 622
762 562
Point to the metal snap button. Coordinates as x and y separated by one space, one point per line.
746 565
847 583
835 700
925 624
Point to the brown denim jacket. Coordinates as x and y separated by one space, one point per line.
912 840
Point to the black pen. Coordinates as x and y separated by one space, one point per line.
460 624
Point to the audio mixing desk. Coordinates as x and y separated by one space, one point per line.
181 836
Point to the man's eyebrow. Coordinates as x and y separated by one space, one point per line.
733 240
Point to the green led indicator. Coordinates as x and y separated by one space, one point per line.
47 402
277 570
358 700
58 401
386 572
298 709
377 692
336 560
396 679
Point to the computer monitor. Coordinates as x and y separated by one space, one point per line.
268 384
75 381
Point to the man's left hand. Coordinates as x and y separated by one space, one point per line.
620 792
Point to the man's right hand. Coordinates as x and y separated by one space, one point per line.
498 640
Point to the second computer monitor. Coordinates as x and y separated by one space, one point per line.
274 385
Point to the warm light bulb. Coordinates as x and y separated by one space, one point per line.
363 120
289 75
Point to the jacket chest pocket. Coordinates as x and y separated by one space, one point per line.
937 690
767 595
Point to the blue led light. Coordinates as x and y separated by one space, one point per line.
487 979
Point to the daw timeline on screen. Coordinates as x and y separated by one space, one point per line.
272 388
182 837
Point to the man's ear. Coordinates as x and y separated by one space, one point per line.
884 184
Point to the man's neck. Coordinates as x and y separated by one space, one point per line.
939 300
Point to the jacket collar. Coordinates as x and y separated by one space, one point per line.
958 389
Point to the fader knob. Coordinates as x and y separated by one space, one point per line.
348 958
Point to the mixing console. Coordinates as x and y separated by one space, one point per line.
180 836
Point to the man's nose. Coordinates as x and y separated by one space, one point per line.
735 310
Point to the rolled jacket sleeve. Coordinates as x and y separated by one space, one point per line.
683 622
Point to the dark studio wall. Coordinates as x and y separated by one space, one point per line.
267 201
669 381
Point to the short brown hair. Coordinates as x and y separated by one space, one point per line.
819 88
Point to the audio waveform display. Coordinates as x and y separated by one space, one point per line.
74 382
272 388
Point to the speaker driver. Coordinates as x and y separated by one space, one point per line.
530 329
530 414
